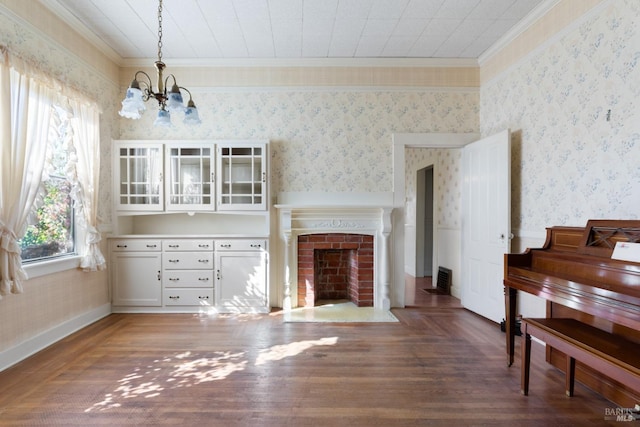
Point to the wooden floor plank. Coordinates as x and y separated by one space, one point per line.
439 365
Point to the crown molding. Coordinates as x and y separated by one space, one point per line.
67 17
309 62
536 13
47 39
555 38
328 89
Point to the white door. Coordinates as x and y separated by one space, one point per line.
486 225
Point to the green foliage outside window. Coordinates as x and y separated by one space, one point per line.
50 230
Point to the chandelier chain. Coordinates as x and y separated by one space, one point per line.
169 101
160 31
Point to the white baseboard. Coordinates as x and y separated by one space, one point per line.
33 345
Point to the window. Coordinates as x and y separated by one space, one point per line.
50 228
70 138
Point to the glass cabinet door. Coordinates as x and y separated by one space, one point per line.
139 177
190 185
242 181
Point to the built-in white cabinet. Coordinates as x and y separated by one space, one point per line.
187 272
241 276
191 226
242 176
136 273
138 172
190 176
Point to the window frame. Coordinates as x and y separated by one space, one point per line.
51 265
63 262
44 266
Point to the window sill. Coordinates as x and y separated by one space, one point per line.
42 268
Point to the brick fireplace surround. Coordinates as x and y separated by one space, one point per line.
371 223
335 266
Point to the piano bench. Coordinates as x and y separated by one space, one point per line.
612 355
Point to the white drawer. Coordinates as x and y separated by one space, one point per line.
188 297
187 278
241 245
135 245
187 245
187 261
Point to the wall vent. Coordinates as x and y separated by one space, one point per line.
444 281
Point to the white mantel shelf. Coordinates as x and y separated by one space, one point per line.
326 207
300 219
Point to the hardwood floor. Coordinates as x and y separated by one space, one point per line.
440 365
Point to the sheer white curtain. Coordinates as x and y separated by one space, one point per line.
25 111
85 122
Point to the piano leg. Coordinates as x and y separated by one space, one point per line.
570 375
526 362
510 296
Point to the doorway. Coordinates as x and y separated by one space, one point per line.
446 239
424 222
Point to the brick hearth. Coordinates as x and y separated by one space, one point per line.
335 266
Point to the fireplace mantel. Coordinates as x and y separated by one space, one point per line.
295 220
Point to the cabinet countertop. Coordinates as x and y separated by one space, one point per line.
189 236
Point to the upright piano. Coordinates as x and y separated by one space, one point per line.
575 274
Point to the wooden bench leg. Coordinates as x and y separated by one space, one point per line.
570 375
526 361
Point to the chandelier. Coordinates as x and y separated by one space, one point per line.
171 102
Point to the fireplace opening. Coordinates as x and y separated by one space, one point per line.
335 266
332 275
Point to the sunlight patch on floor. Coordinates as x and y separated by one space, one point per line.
339 311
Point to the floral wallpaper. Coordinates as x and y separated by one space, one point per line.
323 140
447 183
573 107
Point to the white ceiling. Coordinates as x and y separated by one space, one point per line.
127 30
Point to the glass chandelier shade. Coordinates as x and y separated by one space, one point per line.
163 119
133 104
191 116
168 102
175 102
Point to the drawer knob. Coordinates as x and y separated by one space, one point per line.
203 246
203 297
174 260
176 297
203 260
203 279
174 246
174 279
255 245
121 246
151 246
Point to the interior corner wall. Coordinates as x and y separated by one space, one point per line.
571 105
54 305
